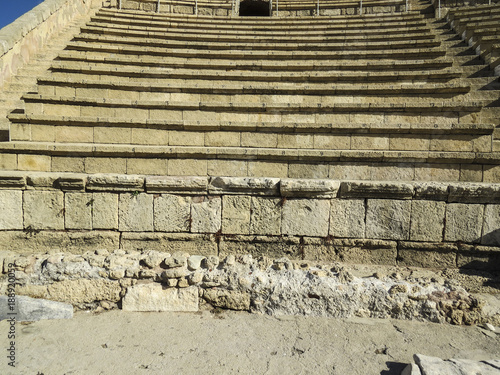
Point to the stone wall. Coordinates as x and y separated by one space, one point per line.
24 38
396 223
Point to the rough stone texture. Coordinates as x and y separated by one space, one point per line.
206 214
491 225
104 211
43 209
154 297
478 257
238 185
236 214
309 188
172 213
115 182
274 247
172 242
265 216
227 299
84 291
427 220
136 212
463 222
305 217
27 309
436 366
347 218
375 189
179 184
388 219
12 179
431 190
78 210
474 193
427 255
11 203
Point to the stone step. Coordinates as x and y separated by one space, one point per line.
139 50
134 16
267 38
253 65
248 88
224 46
78 71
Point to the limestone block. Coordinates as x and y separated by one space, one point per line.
305 217
376 189
311 171
170 242
8 162
431 190
172 213
474 193
206 214
104 211
135 212
78 210
350 171
272 247
471 172
115 182
347 218
491 225
33 163
68 164
265 216
70 182
235 168
42 180
84 291
236 214
43 209
227 299
463 222
105 165
177 184
154 297
437 172
427 254
241 185
427 220
267 169
34 309
309 188
11 203
12 180
388 219
479 257
147 166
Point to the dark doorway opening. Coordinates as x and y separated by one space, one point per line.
256 8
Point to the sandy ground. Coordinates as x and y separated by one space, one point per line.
118 342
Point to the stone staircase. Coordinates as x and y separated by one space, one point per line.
384 97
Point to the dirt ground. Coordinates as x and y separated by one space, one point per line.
224 342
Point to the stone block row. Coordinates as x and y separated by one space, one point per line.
420 212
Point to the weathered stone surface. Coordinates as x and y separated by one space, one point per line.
478 257
175 273
388 219
376 189
84 291
463 222
273 247
104 211
474 193
238 185
43 209
309 188
265 216
431 190
172 213
171 242
175 261
347 218
136 212
427 255
154 297
306 217
194 262
437 366
411 369
11 212
27 309
227 299
491 225
115 182
72 182
236 214
427 220
206 214
177 184
15 180
78 210
42 180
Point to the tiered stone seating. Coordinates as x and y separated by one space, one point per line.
480 27
371 97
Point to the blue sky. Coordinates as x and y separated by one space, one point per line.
11 9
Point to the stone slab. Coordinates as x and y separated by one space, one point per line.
305 217
239 185
463 222
427 220
27 309
388 219
206 214
177 184
135 212
309 188
11 206
376 189
347 218
155 297
172 213
43 210
115 182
